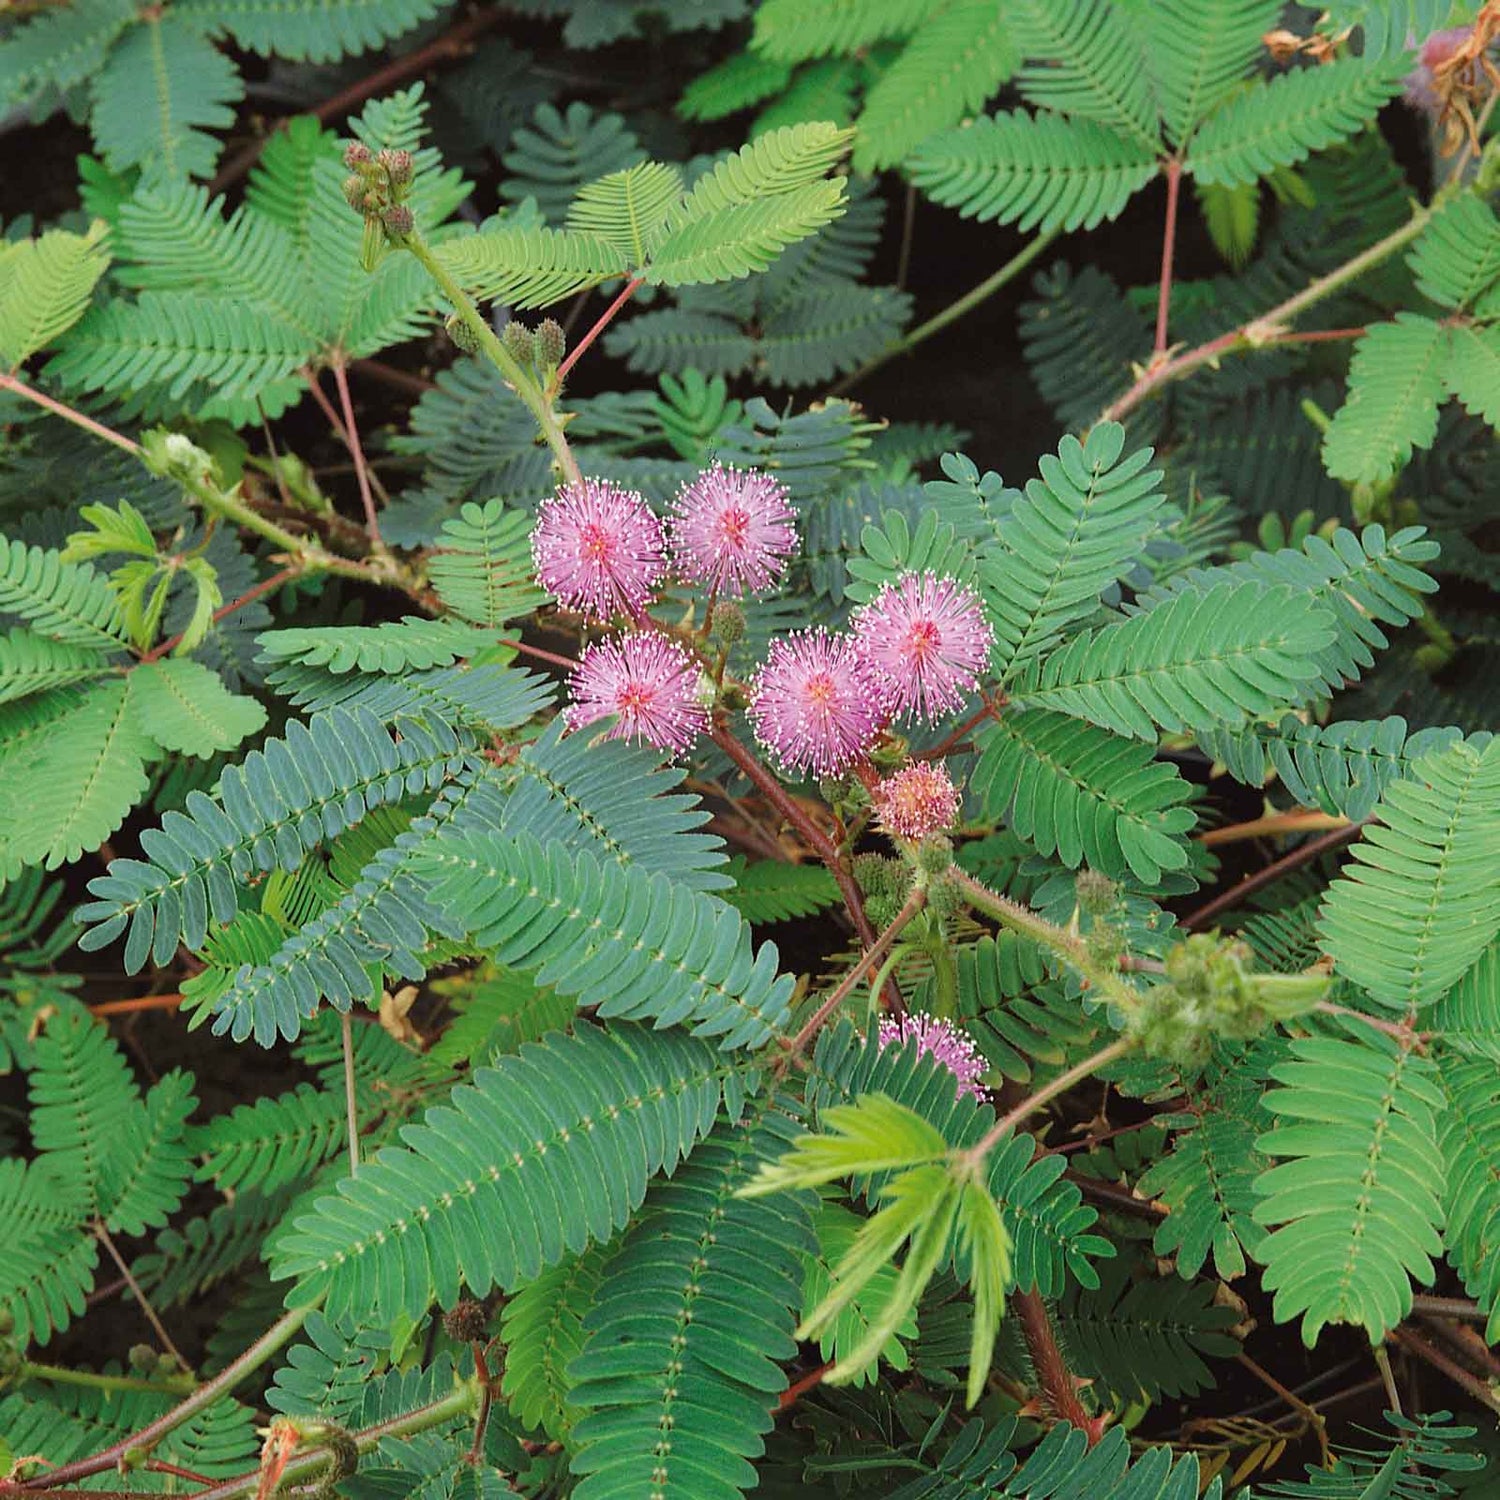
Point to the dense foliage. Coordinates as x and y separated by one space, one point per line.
583 912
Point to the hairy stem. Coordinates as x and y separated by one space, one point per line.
171 1385
1052 1373
1311 850
1072 950
1482 1391
142 1300
518 379
351 1109
357 453
871 956
818 841
486 1400
1168 249
950 314
1300 821
605 319
280 1333
68 414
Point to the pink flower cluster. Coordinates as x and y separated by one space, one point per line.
821 698
946 1043
918 801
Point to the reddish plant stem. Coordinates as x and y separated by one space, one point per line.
261 589
953 738
799 1388
453 43
357 453
1481 1391
1168 249
161 1466
605 319
397 380
817 840
133 1007
1396 1030
540 654
1052 1373
68 414
486 1399
1312 849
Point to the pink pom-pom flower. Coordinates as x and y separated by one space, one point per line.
598 549
918 801
815 704
946 1043
927 639
648 683
732 530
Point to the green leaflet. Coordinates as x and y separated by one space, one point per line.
421 1219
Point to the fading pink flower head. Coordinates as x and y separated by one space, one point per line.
948 1044
918 801
1438 48
732 530
927 639
648 683
815 704
598 548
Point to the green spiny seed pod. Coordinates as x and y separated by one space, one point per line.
355 192
729 623
356 154
462 335
518 340
466 1320
398 221
935 855
1097 894
142 1357
551 344
398 166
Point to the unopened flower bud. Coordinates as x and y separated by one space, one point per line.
398 221
466 1321
398 166
462 335
729 623
1096 893
142 1357
355 192
356 154
518 340
551 344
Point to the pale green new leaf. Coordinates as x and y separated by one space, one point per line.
1196 661
628 208
1197 51
45 285
31 663
984 1242
187 710
1420 900
723 244
530 267
873 1135
1281 123
1456 260
1396 384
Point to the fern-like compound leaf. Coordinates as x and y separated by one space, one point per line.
325 1376
678 1378
793 30
1084 794
1356 1204
769 891
1456 260
307 30
285 798
950 68
32 663
741 80
1039 172
1472 372
542 1327
1064 1466
162 92
1197 51
550 1149
560 151
1470 1141
271 1143
482 568
45 285
530 267
1468 1016
65 601
1396 384
1280 123
48 1267
187 709
1079 528
60 47
628 208
1341 768
1227 654
410 644
634 944
1420 901
1088 65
